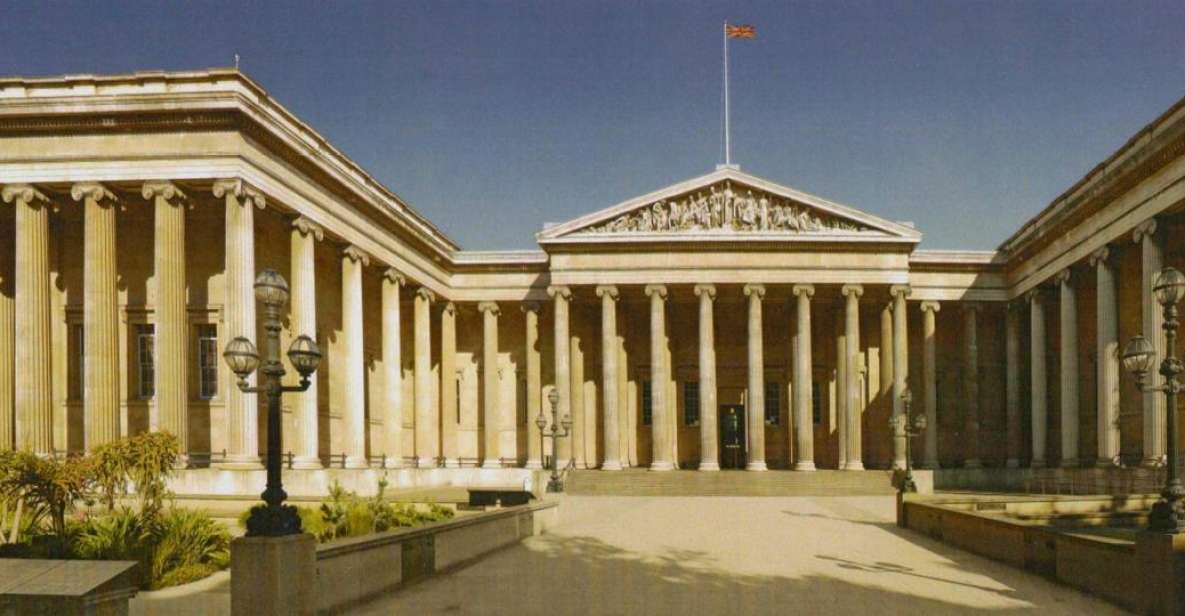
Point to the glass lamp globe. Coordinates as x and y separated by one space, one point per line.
553 398
920 422
304 355
567 422
271 288
1138 356
907 396
241 356
541 421
1169 286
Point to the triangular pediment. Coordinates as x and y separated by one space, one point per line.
728 205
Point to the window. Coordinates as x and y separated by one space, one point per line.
773 404
647 403
207 350
691 403
147 375
816 404
77 362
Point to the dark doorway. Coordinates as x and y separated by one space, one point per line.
732 436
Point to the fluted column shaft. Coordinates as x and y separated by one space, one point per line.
303 315
1107 348
662 448
804 426
172 319
32 370
900 369
852 293
393 281
7 349
353 260
491 409
425 439
756 401
1037 377
609 410
709 439
1151 260
930 383
100 316
1012 384
971 386
563 376
886 354
534 384
1068 334
449 446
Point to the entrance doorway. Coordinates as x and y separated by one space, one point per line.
731 420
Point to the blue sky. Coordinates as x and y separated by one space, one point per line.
493 117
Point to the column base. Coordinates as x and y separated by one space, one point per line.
756 465
422 462
455 463
662 466
240 463
805 465
973 463
1071 463
1037 464
534 465
709 466
1107 463
307 463
485 463
1012 463
356 462
393 463
611 465
1153 462
853 465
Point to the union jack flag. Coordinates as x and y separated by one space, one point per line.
741 31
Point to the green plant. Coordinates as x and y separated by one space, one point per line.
45 486
144 461
185 574
188 539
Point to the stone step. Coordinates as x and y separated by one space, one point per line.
641 482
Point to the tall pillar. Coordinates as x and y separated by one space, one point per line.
563 374
303 315
7 345
1068 327
709 455
663 449
1147 236
971 386
576 401
804 425
32 371
393 281
449 445
841 394
491 410
353 260
1037 377
886 355
1107 348
900 369
534 384
930 383
172 319
425 437
100 315
626 420
1012 383
242 409
609 410
756 400
852 293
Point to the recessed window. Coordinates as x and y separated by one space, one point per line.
647 403
145 341
77 371
207 361
691 403
773 404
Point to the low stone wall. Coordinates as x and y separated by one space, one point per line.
351 571
305 483
1133 480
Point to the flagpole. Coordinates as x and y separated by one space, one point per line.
727 143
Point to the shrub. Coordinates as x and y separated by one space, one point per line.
145 460
47 488
187 539
184 575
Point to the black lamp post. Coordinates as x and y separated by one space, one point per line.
910 429
553 398
276 519
1168 514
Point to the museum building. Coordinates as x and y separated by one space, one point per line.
726 321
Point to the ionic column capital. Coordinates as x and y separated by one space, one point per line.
757 290
1100 256
93 191
900 289
426 293
491 307
708 290
1063 277
534 307
852 289
559 291
355 254
607 290
930 306
804 289
307 227
1144 229
240 190
393 276
448 308
165 190
25 194
659 290
1033 295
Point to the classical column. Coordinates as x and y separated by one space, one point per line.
563 377
709 455
1037 382
804 425
852 351
661 458
1147 236
7 348
393 281
491 410
756 401
303 315
534 384
425 437
576 400
100 315
353 260
242 409
930 383
1012 383
609 411
900 368
172 319
32 370
1068 327
971 386
841 387
448 387
886 355
1107 348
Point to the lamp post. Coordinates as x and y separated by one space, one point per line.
910 429
271 290
1168 513
553 398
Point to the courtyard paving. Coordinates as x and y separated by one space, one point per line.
734 555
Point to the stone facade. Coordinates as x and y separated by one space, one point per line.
725 321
